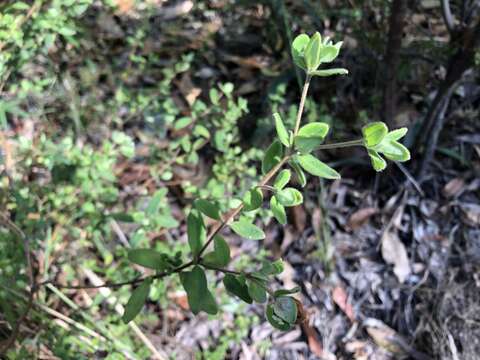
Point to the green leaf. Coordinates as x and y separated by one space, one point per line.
393 150
247 230
149 258
377 161
298 50
286 309
256 291
282 179
275 320
278 210
136 301
310 136
283 292
208 208
155 202
312 165
329 72
281 130
289 197
272 268
196 231
302 180
199 297
397 134
237 286
374 133
252 199
220 256
312 52
330 52
272 157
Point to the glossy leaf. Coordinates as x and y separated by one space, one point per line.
281 130
282 179
275 320
286 309
298 50
310 136
374 133
256 291
397 134
278 210
272 157
199 297
237 287
149 258
246 229
289 197
252 199
196 231
312 165
330 52
208 208
312 52
329 72
220 256
377 161
393 150
136 301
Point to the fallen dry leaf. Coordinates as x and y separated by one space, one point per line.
313 343
454 188
471 213
395 253
340 297
360 217
188 89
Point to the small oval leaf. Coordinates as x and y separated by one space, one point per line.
312 165
246 229
136 301
281 130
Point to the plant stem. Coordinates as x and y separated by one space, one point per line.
340 145
302 104
220 225
129 282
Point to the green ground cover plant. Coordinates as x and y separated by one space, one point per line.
292 151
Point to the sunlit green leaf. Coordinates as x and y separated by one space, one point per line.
312 52
310 136
282 179
246 229
397 134
329 72
252 199
312 165
272 267
378 162
289 197
298 50
374 133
